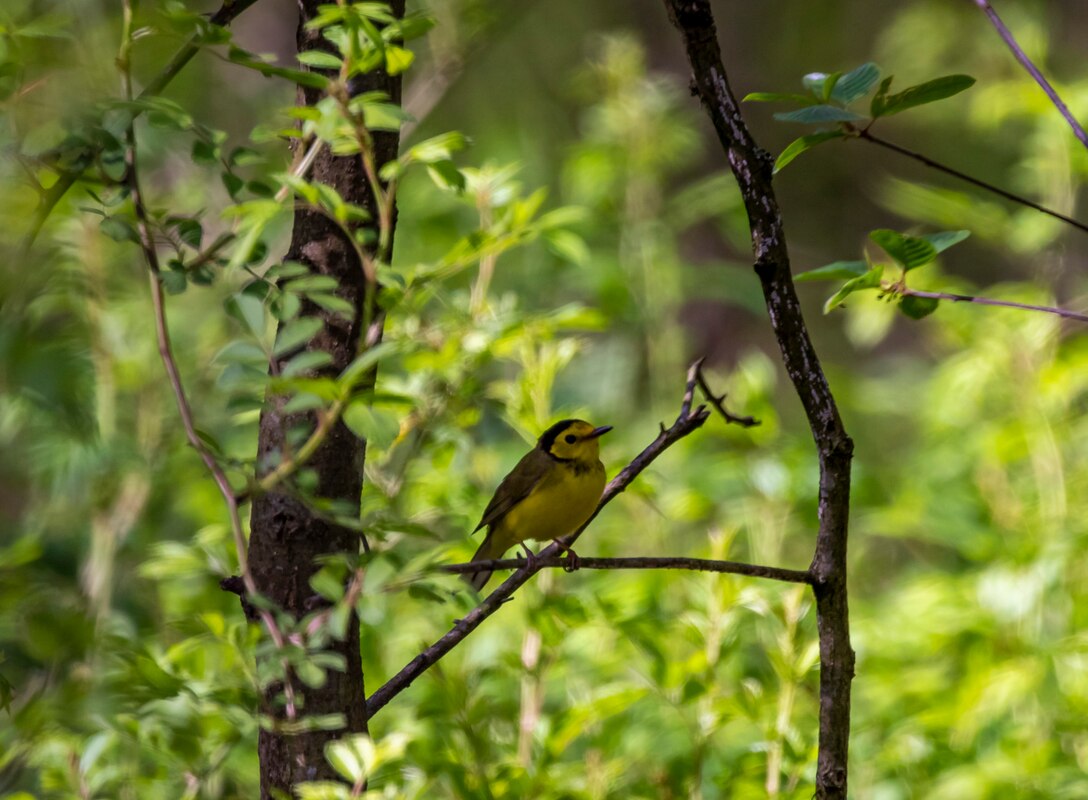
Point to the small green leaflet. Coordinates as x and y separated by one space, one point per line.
928 92
798 146
836 270
870 280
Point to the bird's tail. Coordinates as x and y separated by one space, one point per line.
486 552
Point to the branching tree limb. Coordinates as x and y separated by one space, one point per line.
752 167
688 420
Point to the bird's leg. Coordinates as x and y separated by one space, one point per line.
572 557
530 556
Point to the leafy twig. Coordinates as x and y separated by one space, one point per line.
663 562
166 351
49 200
1032 70
687 421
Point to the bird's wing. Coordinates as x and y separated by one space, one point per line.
516 486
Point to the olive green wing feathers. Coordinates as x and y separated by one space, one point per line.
516 486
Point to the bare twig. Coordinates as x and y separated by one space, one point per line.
687 421
752 167
1033 71
955 173
986 301
662 562
718 401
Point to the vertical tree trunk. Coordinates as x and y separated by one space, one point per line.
753 168
286 536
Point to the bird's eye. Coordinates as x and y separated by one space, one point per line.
570 438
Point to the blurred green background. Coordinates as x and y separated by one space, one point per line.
132 672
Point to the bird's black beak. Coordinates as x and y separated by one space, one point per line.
601 431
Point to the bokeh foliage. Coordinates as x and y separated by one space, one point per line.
614 251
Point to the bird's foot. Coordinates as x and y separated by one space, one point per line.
572 557
530 557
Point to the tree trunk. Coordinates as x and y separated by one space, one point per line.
286 536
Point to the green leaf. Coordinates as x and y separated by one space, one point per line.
836 270
870 280
322 790
814 82
310 79
856 83
306 362
378 426
333 303
310 674
779 97
945 239
365 362
353 756
438 148
798 146
568 246
296 333
191 232
928 92
876 105
910 252
446 176
397 59
320 59
120 230
173 282
819 114
249 311
312 283
918 307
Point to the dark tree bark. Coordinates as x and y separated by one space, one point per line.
752 167
286 536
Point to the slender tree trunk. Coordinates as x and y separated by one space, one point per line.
286 537
752 168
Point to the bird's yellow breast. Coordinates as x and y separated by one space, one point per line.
558 506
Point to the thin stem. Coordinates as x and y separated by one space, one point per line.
643 562
1032 70
955 173
986 301
166 350
289 466
688 421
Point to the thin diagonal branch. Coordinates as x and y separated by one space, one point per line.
1033 71
687 421
986 301
955 173
640 562
752 167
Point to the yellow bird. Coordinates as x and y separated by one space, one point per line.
550 493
